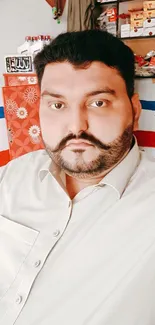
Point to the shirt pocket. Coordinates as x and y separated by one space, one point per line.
16 241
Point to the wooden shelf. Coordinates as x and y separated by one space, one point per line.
140 46
145 77
115 1
107 3
121 1
139 37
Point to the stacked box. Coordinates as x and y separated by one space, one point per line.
137 19
125 30
149 18
112 18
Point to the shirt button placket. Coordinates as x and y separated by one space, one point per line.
37 263
19 300
56 233
69 204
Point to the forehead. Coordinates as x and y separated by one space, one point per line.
65 78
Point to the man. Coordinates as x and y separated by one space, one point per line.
77 220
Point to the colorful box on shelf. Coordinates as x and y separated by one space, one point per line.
21 106
125 30
37 46
149 14
149 23
125 27
136 23
11 79
111 28
112 14
149 31
136 19
148 5
136 32
125 33
136 15
24 49
152 61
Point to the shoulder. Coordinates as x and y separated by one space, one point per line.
146 171
148 164
26 164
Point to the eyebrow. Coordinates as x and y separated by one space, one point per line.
92 93
102 91
51 94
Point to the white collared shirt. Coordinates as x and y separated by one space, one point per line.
89 261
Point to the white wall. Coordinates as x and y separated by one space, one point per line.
19 18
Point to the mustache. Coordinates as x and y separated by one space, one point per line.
82 136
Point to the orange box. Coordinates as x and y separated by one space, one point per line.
21 107
112 14
152 62
14 79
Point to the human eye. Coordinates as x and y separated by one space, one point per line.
99 103
56 106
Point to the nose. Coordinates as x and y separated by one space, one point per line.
78 121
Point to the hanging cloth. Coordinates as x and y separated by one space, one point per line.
82 14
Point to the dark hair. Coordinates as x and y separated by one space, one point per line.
82 48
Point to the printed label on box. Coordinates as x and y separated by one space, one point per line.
18 63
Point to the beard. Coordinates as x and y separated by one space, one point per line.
110 154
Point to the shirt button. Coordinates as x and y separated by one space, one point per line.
56 233
18 300
37 263
70 203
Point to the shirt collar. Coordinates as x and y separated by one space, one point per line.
49 167
118 178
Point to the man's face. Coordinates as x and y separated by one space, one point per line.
87 118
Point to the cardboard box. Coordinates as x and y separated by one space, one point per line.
148 5
149 31
137 23
137 15
24 49
125 27
149 14
149 23
152 62
112 30
20 79
136 32
112 14
125 33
